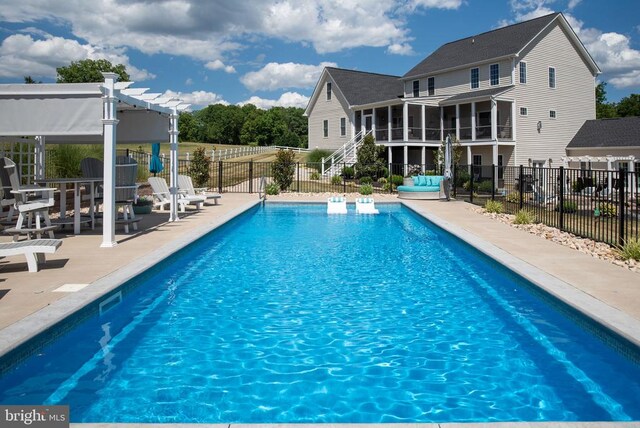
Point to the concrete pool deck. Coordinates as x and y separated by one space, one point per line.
82 271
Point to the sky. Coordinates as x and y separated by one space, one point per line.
272 52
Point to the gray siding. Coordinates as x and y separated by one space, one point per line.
331 110
573 99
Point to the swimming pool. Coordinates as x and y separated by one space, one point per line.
288 315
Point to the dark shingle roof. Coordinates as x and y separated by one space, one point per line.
360 88
480 94
617 132
482 47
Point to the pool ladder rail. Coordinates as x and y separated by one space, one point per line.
262 194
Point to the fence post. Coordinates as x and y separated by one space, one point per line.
493 182
521 185
471 186
621 207
344 179
220 176
561 200
454 181
251 176
298 170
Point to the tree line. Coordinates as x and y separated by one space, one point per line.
245 125
627 106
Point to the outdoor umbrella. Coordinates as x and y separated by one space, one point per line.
448 157
155 164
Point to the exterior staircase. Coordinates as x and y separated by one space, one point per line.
346 155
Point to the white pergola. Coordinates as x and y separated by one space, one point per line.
90 113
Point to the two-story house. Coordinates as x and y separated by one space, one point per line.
514 95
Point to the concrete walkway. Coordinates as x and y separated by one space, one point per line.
81 270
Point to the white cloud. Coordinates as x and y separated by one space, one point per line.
22 55
627 80
573 3
219 65
400 49
288 99
287 75
197 98
189 81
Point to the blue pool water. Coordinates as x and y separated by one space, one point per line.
289 315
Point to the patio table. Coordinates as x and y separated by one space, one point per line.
77 182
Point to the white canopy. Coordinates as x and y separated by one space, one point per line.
103 112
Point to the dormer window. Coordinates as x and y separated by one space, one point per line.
495 74
416 88
328 91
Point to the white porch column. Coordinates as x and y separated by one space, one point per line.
353 124
469 158
390 154
373 123
441 123
406 158
39 155
424 123
389 126
405 122
494 120
494 158
362 122
424 158
173 145
513 121
458 122
473 121
109 125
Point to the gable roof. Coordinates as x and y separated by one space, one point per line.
467 96
360 88
500 43
603 133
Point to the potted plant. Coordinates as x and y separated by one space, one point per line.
143 205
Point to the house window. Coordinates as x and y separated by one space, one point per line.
552 114
325 126
495 74
416 88
343 126
523 72
475 78
524 111
328 91
552 77
431 85
477 160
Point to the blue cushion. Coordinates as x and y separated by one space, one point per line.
422 180
418 188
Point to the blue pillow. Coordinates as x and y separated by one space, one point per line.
422 180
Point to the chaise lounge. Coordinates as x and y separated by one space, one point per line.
424 187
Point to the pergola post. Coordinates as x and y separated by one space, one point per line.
173 144
109 123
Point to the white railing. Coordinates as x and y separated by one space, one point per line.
346 155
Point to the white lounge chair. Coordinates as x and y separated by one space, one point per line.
337 205
185 186
162 196
366 206
34 250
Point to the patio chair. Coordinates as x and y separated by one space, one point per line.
126 191
162 196
366 206
31 202
33 250
185 186
337 205
541 196
93 168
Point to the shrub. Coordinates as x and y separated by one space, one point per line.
397 180
462 176
348 172
66 159
467 186
315 175
382 180
387 187
199 167
608 209
524 217
272 189
370 158
430 172
336 179
414 170
568 207
366 189
493 207
513 197
283 168
314 158
485 186
366 180
630 249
